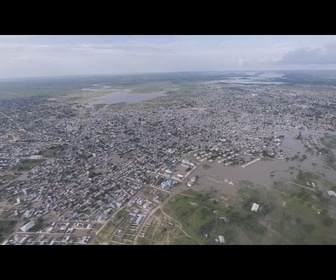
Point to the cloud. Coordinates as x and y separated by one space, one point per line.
319 55
62 55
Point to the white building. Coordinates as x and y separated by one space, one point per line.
332 193
255 207
27 226
221 239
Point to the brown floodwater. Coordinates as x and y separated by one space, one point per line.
260 171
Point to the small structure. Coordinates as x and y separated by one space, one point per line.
191 182
221 239
332 193
225 219
167 184
255 207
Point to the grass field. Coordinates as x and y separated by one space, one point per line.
53 150
106 233
304 177
304 217
8 177
301 224
163 230
288 214
200 217
6 228
149 87
26 165
329 141
23 165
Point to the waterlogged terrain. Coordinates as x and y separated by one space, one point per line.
170 159
125 96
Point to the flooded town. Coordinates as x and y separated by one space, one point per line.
102 169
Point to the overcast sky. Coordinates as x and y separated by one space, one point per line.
28 56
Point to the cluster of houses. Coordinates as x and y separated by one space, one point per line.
111 154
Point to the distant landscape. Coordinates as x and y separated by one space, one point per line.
188 158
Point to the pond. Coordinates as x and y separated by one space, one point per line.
125 96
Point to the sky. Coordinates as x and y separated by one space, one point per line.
60 55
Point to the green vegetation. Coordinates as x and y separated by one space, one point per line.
184 241
304 217
330 160
120 216
6 228
296 215
23 165
149 87
162 229
300 223
53 150
200 217
7 177
304 177
106 233
329 141
26 165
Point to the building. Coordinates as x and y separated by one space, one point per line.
28 226
255 207
221 239
332 193
167 184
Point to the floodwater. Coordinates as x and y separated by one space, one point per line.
251 81
125 96
260 171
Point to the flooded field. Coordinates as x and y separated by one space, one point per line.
265 172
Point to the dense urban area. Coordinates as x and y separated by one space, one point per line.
206 162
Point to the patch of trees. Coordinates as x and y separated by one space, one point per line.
93 174
327 221
299 137
5 228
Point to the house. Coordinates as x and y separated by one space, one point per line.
332 193
255 207
221 239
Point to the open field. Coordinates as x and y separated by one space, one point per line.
163 230
25 165
329 141
53 150
304 218
106 233
5 228
288 214
200 217
150 87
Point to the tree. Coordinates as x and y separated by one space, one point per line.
327 221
